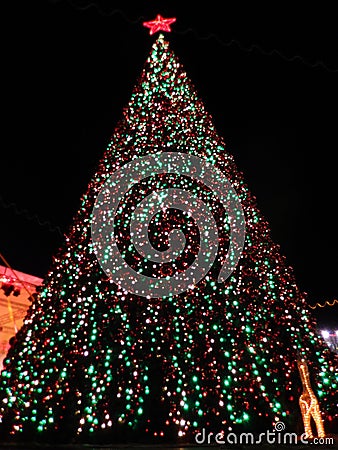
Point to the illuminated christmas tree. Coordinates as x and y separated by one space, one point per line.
96 362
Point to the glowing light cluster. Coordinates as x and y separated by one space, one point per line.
309 404
93 361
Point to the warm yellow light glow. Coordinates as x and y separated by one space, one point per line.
309 404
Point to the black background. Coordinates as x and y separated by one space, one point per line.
268 75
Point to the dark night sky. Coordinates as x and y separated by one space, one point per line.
69 69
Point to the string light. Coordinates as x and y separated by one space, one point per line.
97 362
326 303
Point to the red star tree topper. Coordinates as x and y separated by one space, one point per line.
159 24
